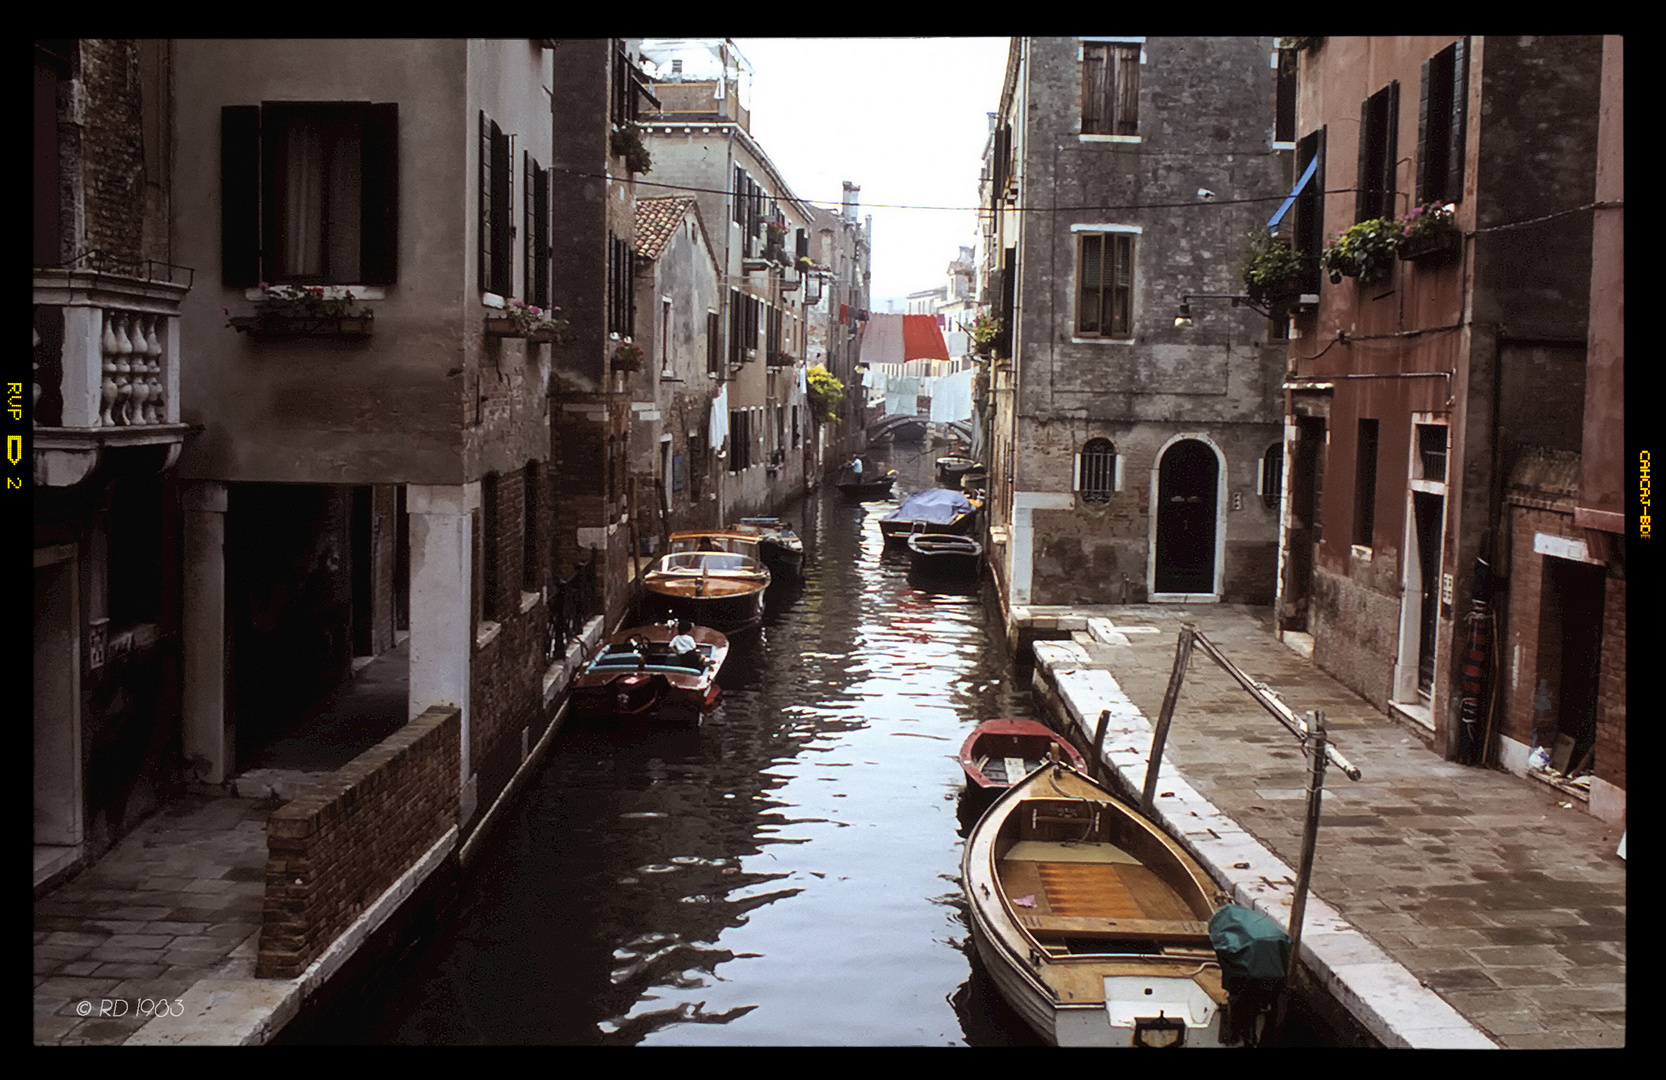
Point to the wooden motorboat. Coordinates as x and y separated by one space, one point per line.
945 554
711 578
779 547
1093 923
999 753
933 510
635 675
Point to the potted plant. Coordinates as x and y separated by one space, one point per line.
775 243
986 330
523 320
626 355
626 142
1274 273
286 311
1365 250
1430 233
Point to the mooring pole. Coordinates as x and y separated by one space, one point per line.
1182 655
1099 744
1310 836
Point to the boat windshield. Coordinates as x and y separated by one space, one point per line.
707 561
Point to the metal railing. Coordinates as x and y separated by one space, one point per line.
573 600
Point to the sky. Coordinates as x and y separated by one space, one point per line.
906 119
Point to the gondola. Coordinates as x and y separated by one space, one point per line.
1091 921
635 676
868 490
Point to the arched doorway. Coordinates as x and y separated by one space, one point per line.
1188 477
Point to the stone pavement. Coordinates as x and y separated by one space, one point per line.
1489 893
176 902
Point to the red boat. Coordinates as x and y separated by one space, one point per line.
635 676
999 753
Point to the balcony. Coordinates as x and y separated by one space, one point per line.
106 371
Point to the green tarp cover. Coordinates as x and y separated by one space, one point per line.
1251 947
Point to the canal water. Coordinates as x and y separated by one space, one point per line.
786 874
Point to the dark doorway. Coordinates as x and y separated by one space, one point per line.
1186 482
1306 485
1429 511
1575 600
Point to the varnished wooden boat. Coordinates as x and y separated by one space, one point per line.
711 578
932 510
636 676
1092 922
779 547
999 753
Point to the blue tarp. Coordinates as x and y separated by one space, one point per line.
937 505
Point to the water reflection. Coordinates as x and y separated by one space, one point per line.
787 874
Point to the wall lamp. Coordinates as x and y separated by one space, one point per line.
1184 318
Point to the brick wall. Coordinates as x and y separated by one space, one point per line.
334 850
111 151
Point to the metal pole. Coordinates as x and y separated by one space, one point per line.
1182 655
1304 873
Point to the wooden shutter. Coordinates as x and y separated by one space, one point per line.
240 177
1095 89
1091 291
1362 177
1429 80
503 202
483 266
1460 107
379 196
1126 86
540 287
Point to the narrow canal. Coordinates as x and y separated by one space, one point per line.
787 874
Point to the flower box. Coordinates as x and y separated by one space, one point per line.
346 327
1436 246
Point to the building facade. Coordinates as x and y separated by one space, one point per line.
1127 453
107 431
1434 548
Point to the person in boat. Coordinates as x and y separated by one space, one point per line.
856 469
683 647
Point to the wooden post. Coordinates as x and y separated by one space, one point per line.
1182 655
1304 873
1099 745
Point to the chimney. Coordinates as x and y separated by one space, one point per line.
849 206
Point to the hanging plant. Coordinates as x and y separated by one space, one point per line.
627 356
985 331
524 320
627 143
1273 272
825 392
1365 250
1430 232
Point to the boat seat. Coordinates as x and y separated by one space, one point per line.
1167 931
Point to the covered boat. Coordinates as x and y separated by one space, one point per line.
636 675
711 578
934 510
1093 923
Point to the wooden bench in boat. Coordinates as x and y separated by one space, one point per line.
1167 931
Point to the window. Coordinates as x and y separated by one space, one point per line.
1440 125
621 291
497 223
1105 273
1271 480
740 439
529 528
536 246
1379 116
745 317
1096 469
488 547
1431 453
309 193
1309 225
665 333
714 344
1365 483
1284 96
1110 88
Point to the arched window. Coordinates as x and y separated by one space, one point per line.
1272 475
1096 471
